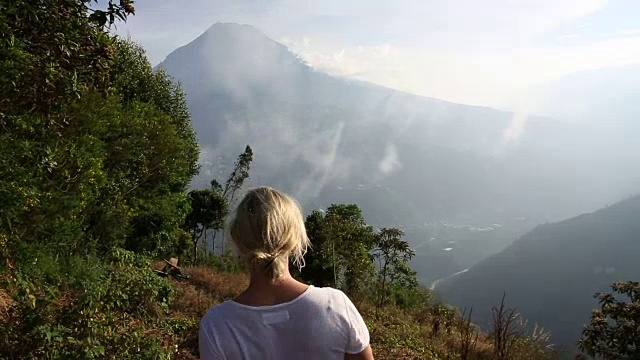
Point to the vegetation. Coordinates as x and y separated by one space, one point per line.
97 154
210 207
614 332
208 211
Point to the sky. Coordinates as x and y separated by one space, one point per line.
485 52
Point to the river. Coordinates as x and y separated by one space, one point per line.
435 283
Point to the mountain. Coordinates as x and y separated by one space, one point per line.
444 172
551 273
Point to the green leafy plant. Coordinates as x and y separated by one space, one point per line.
614 331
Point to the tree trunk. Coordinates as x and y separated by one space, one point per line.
384 280
194 239
206 245
213 241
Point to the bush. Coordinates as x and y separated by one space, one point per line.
227 262
614 331
82 308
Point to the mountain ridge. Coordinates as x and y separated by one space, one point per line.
551 273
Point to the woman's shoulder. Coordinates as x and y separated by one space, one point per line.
328 294
217 313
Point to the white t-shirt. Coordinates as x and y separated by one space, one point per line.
321 323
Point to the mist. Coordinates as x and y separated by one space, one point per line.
436 168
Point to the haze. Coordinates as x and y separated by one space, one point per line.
484 53
469 179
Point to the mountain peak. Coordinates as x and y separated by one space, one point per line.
232 55
231 26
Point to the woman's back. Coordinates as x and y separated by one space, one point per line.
321 323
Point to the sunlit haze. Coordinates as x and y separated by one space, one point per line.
476 52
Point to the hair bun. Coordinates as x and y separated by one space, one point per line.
259 255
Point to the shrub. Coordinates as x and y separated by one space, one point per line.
227 262
614 331
82 308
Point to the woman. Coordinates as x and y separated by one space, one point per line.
278 317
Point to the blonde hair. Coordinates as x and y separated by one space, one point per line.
268 229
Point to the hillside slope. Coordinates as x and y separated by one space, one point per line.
551 273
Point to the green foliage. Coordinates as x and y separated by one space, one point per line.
318 268
341 249
97 148
393 255
82 308
113 11
209 208
97 152
614 331
227 262
50 53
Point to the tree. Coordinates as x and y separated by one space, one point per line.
113 11
239 174
149 159
341 243
468 338
97 149
319 269
218 224
208 209
51 52
393 255
505 331
236 180
614 331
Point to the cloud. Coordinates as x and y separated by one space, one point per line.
390 161
469 51
492 78
632 32
516 128
162 25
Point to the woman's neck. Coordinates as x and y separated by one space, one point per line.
264 291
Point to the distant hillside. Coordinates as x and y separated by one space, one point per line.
551 273
407 160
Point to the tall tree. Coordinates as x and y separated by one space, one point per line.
239 174
208 209
319 269
236 180
393 255
614 331
218 224
341 243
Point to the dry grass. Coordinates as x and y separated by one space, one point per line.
5 303
219 285
196 296
192 301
